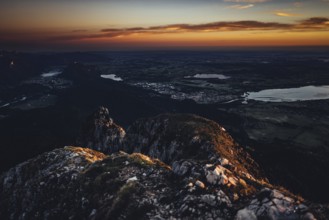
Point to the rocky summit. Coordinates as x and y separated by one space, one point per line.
171 166
101 133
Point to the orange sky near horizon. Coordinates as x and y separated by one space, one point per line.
107 24
241 38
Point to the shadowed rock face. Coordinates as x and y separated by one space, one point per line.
174 136
208 176
101 133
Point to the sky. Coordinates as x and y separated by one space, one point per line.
129 24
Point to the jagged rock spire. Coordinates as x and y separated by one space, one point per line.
101 133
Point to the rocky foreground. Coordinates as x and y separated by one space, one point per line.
165 167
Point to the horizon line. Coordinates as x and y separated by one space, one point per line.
176 48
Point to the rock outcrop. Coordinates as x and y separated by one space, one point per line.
172 137
177 167
101 133
79 183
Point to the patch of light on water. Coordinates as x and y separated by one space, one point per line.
305 93
208 76
112 77
51 73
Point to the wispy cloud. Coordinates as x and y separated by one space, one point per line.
241 6
311 24
317 22
285 14
214 26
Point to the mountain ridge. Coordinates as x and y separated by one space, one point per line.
163 175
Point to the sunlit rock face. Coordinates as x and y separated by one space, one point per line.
43 187
208 177
172 137
101 133
79 183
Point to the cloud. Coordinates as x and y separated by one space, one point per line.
310 24
285 14
214 26
320 23
315 21
241 6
